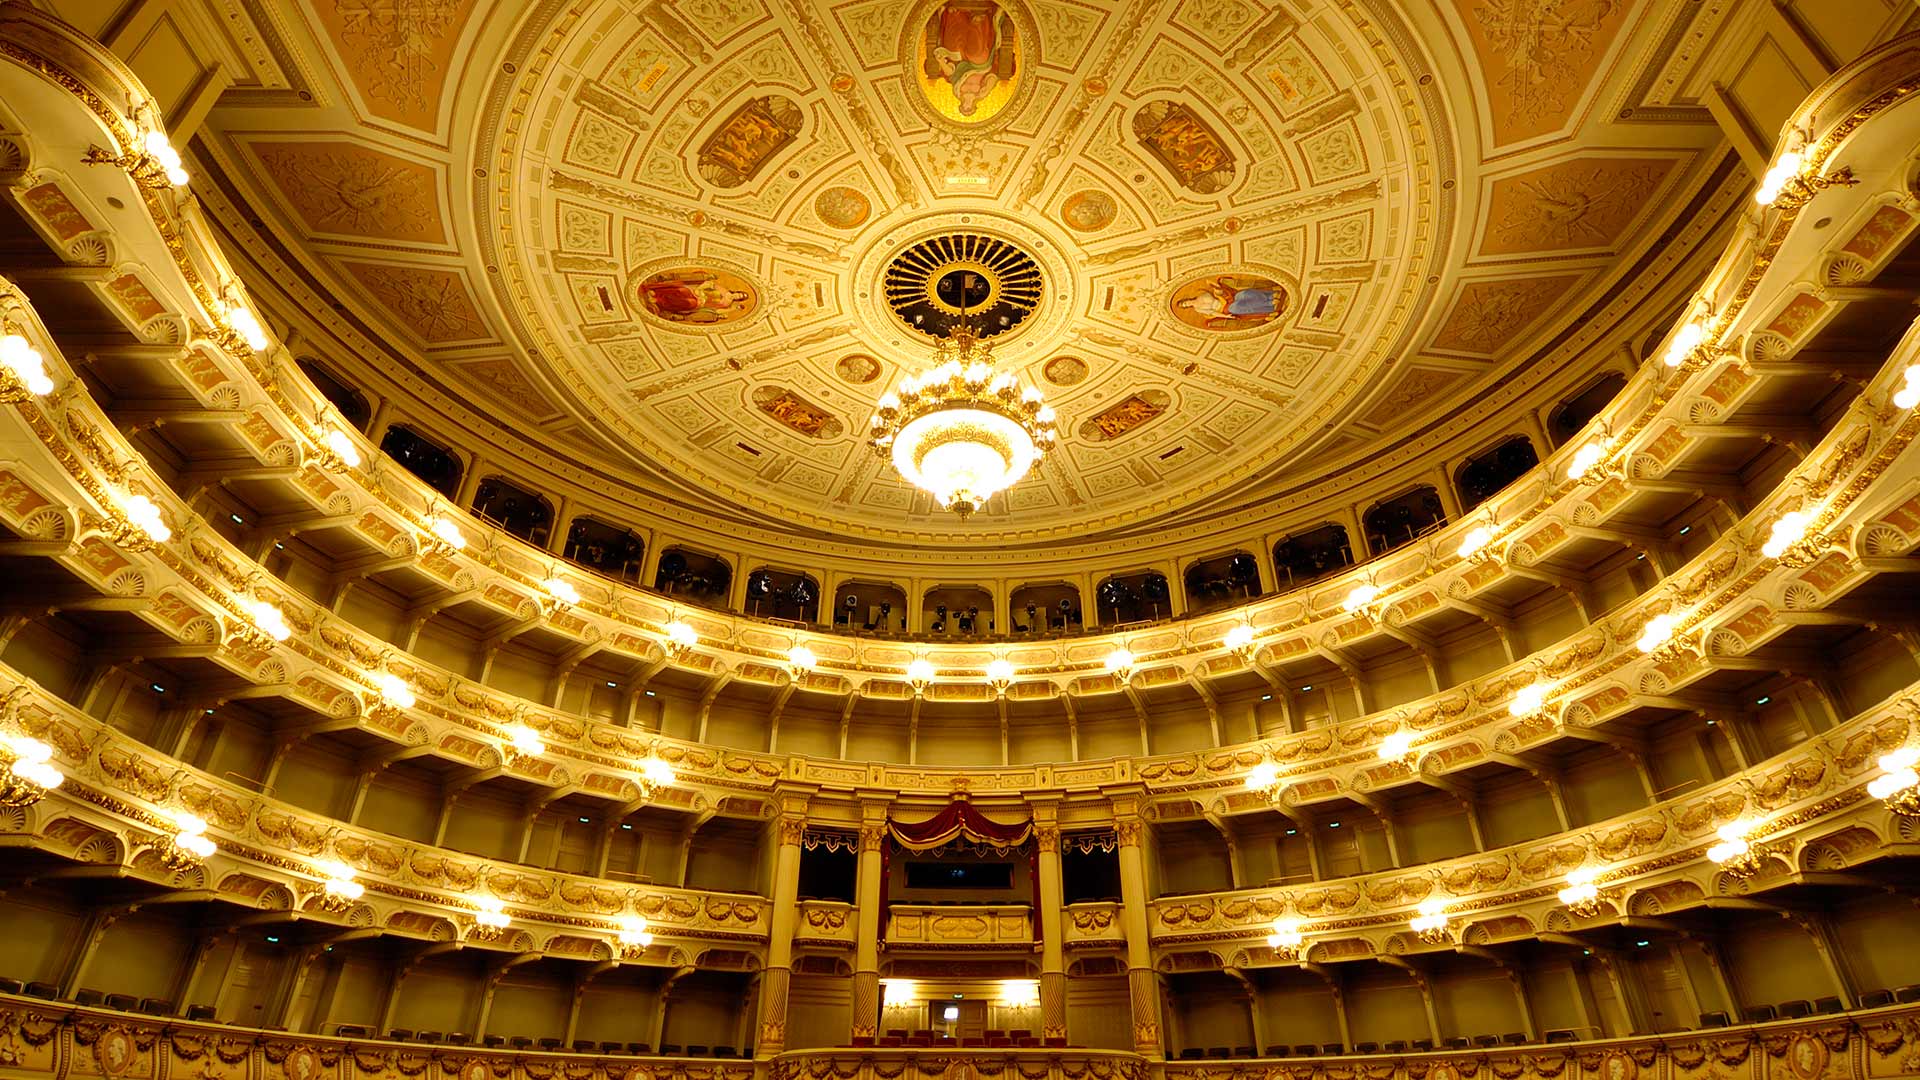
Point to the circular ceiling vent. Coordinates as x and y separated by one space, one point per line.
930 285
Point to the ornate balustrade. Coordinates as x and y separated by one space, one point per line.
1652 426
1092 925
958 926
55 1039
114 808
825 922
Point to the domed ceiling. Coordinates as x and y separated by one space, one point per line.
688 243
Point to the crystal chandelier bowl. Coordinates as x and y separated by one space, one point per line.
963 432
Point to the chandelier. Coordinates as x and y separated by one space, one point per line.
963 431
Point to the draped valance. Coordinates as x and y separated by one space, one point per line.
958 821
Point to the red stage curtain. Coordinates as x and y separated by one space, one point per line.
959 820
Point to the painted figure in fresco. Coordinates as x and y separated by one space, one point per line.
1230 302
693 296
970 47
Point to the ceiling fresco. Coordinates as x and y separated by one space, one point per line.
692 236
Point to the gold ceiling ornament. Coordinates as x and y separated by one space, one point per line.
963 431
30 772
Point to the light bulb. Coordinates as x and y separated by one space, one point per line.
343 448
394 689
920 670
1477 537
525 740
145 516
1396 746
269 619
1263 776
1585 459
1528 700
802 657
1360 597
1658 631
1788 530
562 590
1690 337
1119 659
656 772
999 670
448 532
26 363
681 635
1239 637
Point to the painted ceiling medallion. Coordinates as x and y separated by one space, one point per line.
931 284
969 62
696 296
1229 302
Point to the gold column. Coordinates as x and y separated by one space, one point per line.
867 923
791 826
1053 971
1143 985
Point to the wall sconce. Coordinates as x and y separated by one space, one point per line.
245 325
490 921
1909 393
155 164
920 674
801 660
1736 853
1363 601
999 675
1899 784
1528 700
140 526
1240 641
30 772
1788 186
523 742
1397 746
393 690
447 537
654 774
563 592
338 889
189 844
340 445
1430 921
24 369
634 937
1582 895
1286 939
1683 350
1119 663
1264 779
269 622
679 640
1657 636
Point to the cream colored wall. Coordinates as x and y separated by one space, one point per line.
1098 1013
819 1010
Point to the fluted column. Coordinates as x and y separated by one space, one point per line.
1053 968
789 828
867 922
1143 986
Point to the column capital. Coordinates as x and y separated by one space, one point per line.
872 836
1047 837
793 828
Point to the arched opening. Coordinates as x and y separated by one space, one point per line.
780 594
957 611
614 551
1141 597
434 464
701 578
1577 411
516 510
1480 477
1310 555
351 404
1403 518
1222 582
870 607
1052 608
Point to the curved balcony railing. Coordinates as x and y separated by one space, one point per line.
1653 421
1809 807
